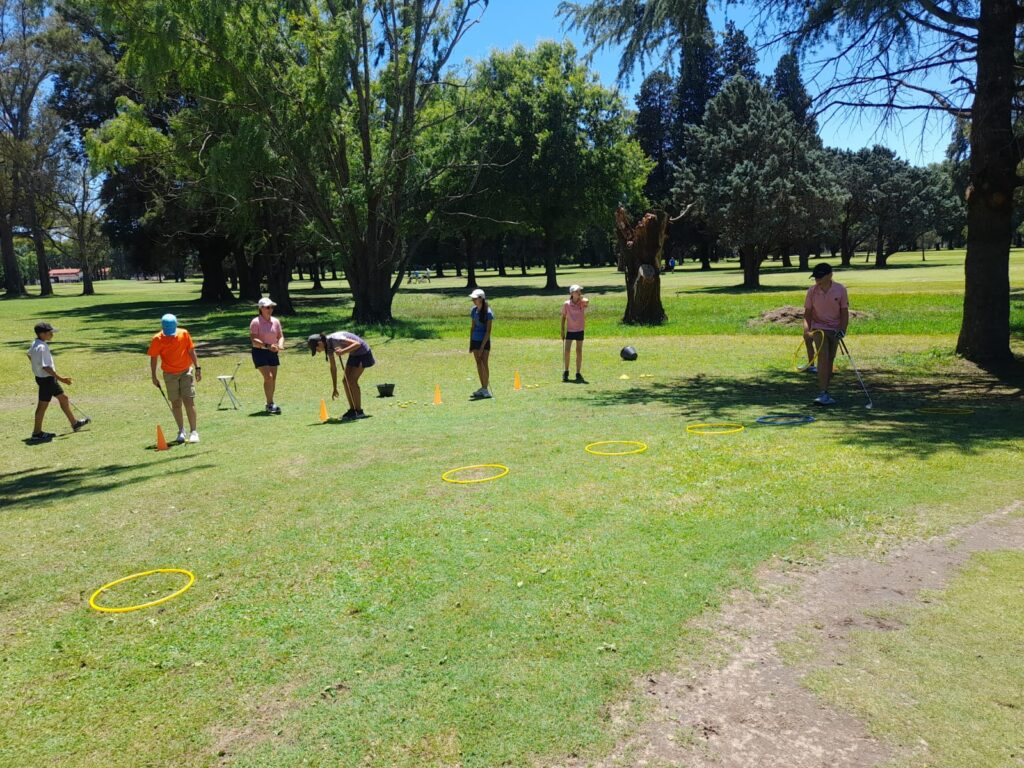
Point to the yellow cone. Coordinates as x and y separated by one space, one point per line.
517 383
323 411
437 394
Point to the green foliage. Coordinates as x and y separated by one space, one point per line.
738 58
401 622
788 87
556 145
655 104
759 179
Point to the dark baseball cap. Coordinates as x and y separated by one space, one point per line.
822 269
312 341
44 328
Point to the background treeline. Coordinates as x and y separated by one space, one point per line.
255 142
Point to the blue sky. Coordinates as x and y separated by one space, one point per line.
507 22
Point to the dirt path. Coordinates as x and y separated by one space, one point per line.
751 711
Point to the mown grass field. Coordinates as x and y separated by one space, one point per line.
351 609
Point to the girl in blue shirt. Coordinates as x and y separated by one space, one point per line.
481 318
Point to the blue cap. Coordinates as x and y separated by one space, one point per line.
169 323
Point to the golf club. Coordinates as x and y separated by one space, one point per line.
83 416
169 408
853 365
348 391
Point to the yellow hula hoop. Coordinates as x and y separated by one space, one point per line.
947 410
446 476
713 428
126 609
803 349
641 449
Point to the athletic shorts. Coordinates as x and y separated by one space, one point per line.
262 357
365 360
574 335
474 344
49 388
180 385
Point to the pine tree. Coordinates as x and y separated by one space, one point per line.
738 57
654 131
699 76
788 88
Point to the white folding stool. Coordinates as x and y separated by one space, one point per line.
228 382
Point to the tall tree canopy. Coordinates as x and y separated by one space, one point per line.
329 94
888 49
758 178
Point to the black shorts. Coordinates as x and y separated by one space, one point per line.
365 360
49 388
476 343
574 335
262 357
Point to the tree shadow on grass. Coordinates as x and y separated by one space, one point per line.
895 422
520 291
222 329
30 487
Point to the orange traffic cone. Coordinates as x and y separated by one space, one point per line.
517 383
437 394
161 441
323 411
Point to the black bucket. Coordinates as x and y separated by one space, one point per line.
386 390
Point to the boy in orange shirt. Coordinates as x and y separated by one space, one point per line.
177 354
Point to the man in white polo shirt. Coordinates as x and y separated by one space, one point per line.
826 309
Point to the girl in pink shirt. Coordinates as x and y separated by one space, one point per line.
267 340
573 320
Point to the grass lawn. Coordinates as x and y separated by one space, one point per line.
946 688
351 609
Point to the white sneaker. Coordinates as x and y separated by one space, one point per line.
181 436
824 399
194 437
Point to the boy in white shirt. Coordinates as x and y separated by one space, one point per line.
47 379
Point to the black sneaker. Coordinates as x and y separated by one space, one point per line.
274 409
348 415
80 423
580 379
565 375
43 436
361 415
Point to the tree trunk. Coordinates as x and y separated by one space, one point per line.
845 245
787 260
45 288
249 276
87 287
211 252
705 254
640 248
881 257
470 249
277 286
550 262
500 256
805 258
12 274
985 329
751 267
316 272
369 277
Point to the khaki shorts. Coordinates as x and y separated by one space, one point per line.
180 385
